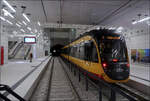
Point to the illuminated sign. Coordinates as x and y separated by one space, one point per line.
30 40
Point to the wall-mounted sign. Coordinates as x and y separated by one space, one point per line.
30 40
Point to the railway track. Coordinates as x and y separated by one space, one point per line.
138 95
55 85
106 91
60 84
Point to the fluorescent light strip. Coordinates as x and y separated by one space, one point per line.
39 23
29 28
5 11
9 5
24 22
135 22
22 30
35 30
112 28
142 20
147 18
2 18
9 22
25 16
18 25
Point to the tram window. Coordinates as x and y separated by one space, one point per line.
77 51
78 55
94 53
74 51
91 52
65 51
82 52
68 50
87 51
71 51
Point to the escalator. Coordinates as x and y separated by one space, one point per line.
11 48
13 53
11 45
27 53
23 52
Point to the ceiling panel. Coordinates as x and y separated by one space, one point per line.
52 11
79 12
85 11
125 17
32 7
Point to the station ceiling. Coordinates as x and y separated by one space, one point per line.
86 12
82 11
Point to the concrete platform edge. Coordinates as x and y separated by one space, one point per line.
34 85
139 86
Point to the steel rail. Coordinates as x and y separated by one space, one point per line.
140 98
72 85
48 64
120 90
50 80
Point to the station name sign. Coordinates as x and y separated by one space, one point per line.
30 40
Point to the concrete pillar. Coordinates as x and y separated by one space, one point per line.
4 41
0 40
39 47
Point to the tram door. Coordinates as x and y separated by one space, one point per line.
87 52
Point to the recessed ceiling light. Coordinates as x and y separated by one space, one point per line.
142 20
135 22
98 28
112 28
29 28
18 25
120 29
35 30
24 22
22 30
7 13
2 18
25 16
39 23
9 5
9 22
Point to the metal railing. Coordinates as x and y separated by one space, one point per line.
12 45
27 53
113 89
10 91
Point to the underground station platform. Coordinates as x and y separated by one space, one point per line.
57 79
74 50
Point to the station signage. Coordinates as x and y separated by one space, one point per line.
30 40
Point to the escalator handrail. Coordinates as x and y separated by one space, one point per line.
13 44
25 57
16 49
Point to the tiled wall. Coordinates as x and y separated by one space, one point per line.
138 42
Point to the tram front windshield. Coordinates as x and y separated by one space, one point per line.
113 49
